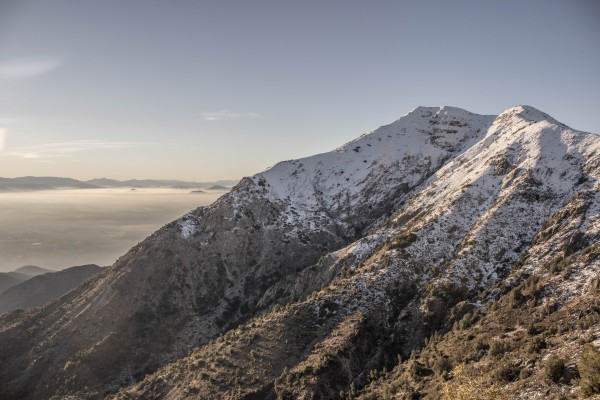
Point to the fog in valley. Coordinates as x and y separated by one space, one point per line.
61 228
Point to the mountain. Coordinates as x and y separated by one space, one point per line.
41 183
50 183
41 289
8 279
217 187
32 270
336 275
19 275
152 183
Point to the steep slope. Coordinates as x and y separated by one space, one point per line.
220 265
490 222
42 288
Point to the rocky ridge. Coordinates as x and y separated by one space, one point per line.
321 270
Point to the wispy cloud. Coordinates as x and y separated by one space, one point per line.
225 115
27 67
63 149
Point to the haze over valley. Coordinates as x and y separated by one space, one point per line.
61 228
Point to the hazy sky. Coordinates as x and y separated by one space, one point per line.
202 90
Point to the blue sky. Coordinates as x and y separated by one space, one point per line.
203 90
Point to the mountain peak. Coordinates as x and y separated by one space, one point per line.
411 233
527 113
521 111
423 111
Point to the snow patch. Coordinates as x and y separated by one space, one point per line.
188 225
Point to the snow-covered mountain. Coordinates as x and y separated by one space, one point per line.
321 270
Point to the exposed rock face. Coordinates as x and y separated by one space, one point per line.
373 248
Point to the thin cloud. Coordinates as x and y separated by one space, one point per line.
226 115
63 149
27 67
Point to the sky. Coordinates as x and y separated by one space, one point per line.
207 90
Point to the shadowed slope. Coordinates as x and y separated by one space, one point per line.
42 288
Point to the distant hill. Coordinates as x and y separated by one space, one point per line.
143 183
19 275
32 270
27 183
41 183
217 187
9 279
41 289
148 183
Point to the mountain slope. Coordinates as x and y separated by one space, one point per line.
45 287
19 275
214 268
528 188
9 279
373 247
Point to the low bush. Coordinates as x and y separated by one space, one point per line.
499 347
506 372
554 368
589 370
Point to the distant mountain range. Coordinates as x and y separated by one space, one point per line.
41 288
27 183
12 278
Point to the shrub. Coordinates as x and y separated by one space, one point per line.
499 347
506 372
515 297
588 321
467 384
589 370
468 320
536 344
554 368
481 344
534 329
442 365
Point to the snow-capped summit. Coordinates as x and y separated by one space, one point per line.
375 249
375 169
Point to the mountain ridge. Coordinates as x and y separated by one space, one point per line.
348 238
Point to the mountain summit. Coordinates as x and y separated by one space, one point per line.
336 275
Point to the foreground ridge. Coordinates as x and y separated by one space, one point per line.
359 272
